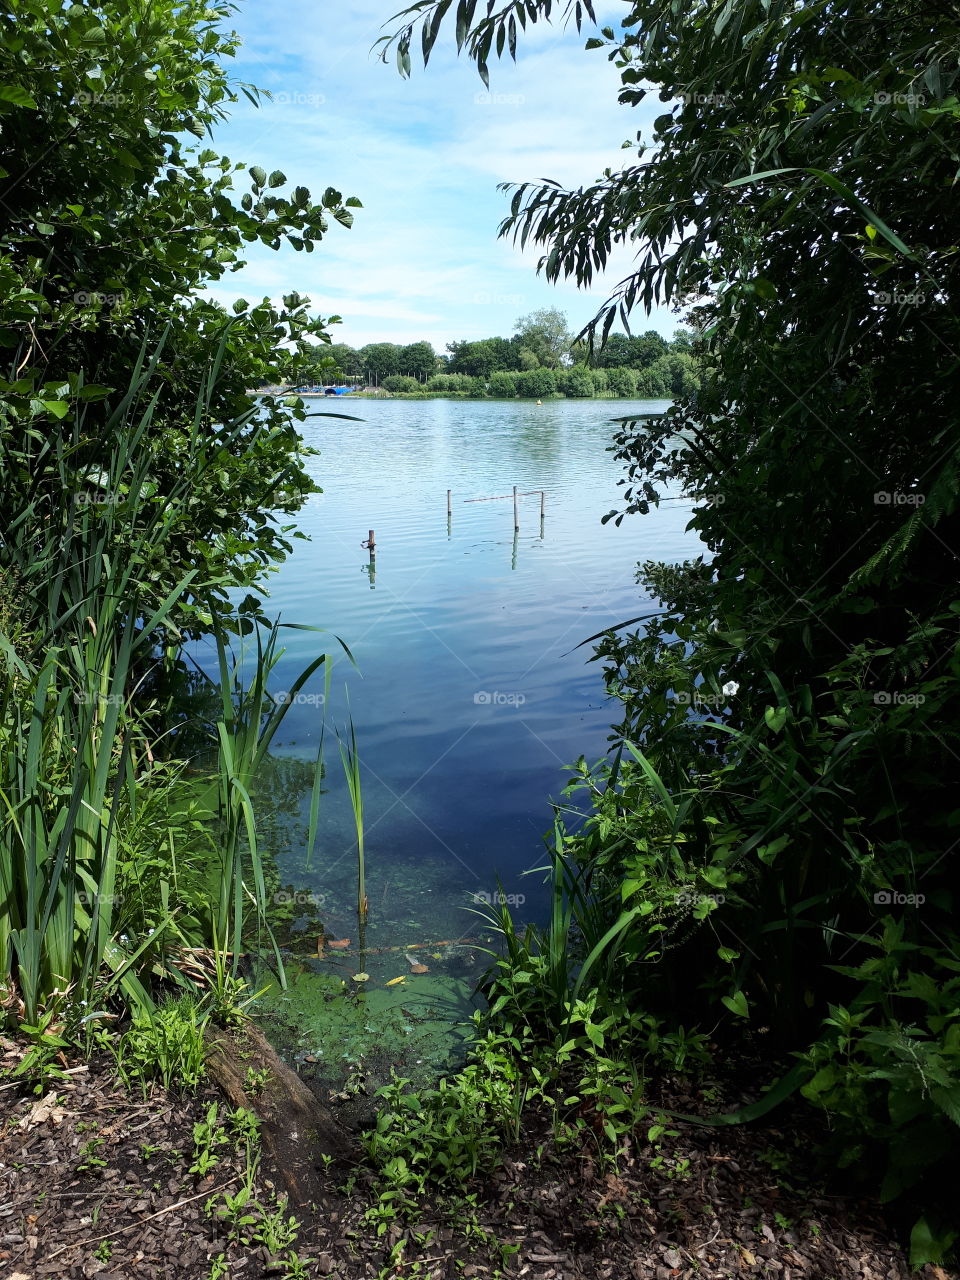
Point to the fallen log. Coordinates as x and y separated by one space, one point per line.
296 1128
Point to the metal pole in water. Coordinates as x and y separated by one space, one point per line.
543 503
449 507
516 511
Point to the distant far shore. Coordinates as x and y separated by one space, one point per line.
378 393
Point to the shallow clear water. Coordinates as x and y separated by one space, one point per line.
471 694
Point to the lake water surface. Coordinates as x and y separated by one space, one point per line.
470 694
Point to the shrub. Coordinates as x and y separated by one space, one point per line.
535 383
460 382
502 385
400 382
622 382
576 382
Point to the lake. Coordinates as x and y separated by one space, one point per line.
470 694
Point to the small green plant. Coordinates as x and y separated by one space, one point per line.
207 1134
164 1044
103 1251
42 1064
256 1080
219 1267
87 1157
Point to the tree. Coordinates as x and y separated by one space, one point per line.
577 383
545 333
646 348
616 353
380 360
478 359
113 222
418 360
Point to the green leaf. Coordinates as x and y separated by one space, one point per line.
17 96
775 717
58 408
737 1003
258 175
928 1245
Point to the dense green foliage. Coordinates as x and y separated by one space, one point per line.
773 844
111 225
140 485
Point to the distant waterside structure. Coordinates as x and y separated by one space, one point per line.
306 391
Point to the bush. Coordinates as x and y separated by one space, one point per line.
576 382
622 382
600 380
652 383
400 382
502 385
535 383
458 382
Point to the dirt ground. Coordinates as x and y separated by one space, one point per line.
99 1181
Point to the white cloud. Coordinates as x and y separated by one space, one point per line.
424 156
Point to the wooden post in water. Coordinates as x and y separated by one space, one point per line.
516 511
372 543
449 507
543 503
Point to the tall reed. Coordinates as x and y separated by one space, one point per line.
350 759
87 552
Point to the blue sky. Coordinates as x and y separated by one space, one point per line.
424 156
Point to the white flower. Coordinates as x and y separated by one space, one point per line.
729 690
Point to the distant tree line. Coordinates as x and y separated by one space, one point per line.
542 358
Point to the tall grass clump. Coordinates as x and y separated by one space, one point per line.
93 589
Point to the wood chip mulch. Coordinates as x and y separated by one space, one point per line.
95 1181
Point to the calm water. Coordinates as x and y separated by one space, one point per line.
470 694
